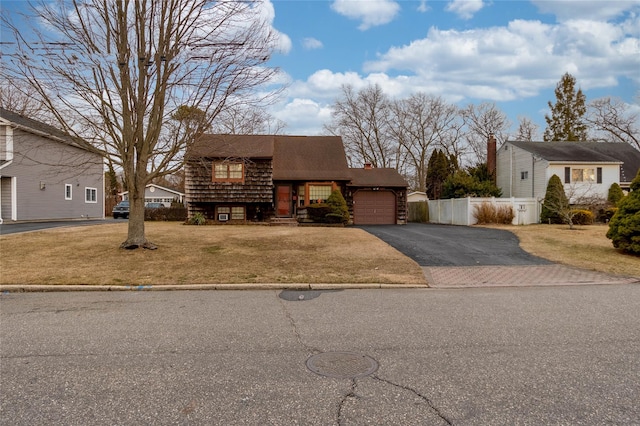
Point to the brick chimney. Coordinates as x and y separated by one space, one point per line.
491 155
368 166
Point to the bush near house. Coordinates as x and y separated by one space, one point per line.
582 217
555 201
318 212
615 194
624 227
486 213
339 210
166 214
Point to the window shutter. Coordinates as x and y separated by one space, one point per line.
599 175
567 175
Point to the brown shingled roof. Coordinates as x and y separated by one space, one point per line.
232 146
377 177
309 158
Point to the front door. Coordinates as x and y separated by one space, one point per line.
283 196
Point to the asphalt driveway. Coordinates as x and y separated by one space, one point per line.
462 256
448 245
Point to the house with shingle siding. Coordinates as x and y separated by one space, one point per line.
243 178
45 174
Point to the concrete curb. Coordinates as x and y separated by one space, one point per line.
37 288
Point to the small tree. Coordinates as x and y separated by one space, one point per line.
615 194
555 205
624 227
438 170
474 182
339 209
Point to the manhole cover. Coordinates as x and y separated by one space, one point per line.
342 365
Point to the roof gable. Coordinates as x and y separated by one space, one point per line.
232 146
41 129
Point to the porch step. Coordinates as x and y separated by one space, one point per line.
283 221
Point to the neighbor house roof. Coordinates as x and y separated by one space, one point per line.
588 152
371 177
232 146
36 127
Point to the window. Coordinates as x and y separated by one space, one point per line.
524 175
319 193
237 213
583 175
228 172
68 191
90 195
233 213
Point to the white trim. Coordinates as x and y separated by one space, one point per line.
70 196
14 198
95 192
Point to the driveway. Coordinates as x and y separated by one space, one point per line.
14 228
463 256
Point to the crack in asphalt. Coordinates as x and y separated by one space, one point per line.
294 328
350 395
415 392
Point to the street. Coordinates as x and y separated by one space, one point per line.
481 356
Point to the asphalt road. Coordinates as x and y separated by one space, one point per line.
448 245
489 356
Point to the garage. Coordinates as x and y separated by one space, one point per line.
374 207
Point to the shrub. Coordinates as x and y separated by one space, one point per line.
489 213
582 217
605 215
318 212
555 202
615 194
339 210
198 218
624 227
166 214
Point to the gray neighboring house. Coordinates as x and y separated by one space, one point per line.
45 174
523 169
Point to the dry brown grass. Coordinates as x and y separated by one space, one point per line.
203 255
583 247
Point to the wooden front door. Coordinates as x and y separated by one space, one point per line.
283 196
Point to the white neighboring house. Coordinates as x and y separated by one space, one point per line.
588 169
45 174
158 194
416 196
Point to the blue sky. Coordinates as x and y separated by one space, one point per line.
512 53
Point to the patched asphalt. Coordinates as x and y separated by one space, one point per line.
461 256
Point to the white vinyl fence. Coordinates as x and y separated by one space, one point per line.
459 211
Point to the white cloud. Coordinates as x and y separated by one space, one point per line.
423 7
518 60
586 9
371 13
303 116
465 9
311 43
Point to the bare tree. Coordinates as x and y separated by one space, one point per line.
243 120
115 72
482 120
527 130
361 119
421 124
615 120
21 98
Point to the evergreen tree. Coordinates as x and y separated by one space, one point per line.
339 210
624 227
474 182
555 202
566 122
615 194
438 170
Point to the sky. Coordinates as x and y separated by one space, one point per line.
511 53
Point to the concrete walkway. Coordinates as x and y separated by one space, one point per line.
517 276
